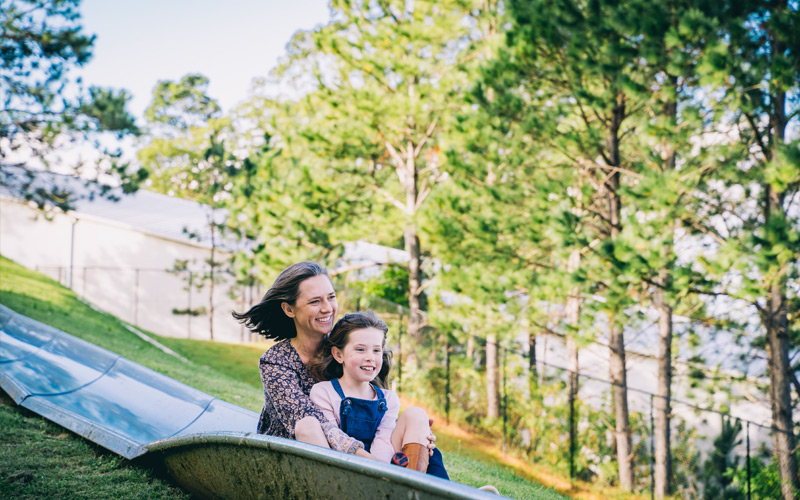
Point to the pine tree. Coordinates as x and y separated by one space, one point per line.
42 107
755 68
386 79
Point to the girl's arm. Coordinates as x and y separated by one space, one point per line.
290 404
381 446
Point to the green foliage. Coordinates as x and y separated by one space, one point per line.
183 104
765 477
42 41
197 311
719 470
105 112
189 155
391 284
381 84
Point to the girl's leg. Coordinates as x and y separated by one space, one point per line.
412 427
410 436
436 465
309 430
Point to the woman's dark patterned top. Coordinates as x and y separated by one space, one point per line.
287 384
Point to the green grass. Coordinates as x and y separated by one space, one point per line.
476 472
236 361
41 460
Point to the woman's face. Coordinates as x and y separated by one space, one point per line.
315 308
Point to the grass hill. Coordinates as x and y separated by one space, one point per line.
41 460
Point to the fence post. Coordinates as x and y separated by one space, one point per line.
532 355
136 300
652 451
72 253
748 460
447 381
504 355
189 306
400 353
572 431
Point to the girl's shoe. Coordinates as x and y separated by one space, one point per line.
400 459
417 456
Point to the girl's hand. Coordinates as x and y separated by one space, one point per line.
366 454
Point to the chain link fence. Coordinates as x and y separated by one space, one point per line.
172 303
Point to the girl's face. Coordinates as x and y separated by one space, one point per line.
362 356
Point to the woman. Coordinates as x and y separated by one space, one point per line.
298 311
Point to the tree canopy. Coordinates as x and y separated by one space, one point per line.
43 107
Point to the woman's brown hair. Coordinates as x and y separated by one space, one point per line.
267 317
325 367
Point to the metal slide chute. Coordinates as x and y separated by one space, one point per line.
233 465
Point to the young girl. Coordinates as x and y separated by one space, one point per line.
355 363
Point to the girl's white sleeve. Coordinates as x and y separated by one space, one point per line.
381 446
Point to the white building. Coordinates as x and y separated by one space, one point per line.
121 257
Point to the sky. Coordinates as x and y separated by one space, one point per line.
230 42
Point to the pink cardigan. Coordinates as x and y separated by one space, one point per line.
324 396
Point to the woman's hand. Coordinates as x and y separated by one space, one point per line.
431 439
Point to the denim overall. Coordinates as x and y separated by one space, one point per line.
360 417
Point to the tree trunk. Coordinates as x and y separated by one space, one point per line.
776 321
492 378
617 372
663 459
411 237
616 342
414 279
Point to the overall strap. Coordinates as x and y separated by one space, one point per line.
337 387
382 406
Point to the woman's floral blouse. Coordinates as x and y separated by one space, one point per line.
287 384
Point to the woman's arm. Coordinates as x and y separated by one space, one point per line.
288 402
321 396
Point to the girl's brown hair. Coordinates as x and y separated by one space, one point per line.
325 367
